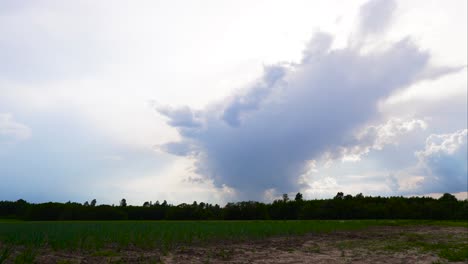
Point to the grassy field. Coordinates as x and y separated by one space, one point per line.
94 236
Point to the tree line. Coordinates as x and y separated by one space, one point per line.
341 206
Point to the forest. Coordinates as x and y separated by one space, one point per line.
447 207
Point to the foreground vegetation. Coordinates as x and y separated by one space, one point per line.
91 235
341 206
109 238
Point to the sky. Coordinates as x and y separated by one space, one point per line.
221 101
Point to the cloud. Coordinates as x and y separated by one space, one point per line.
364 163
261 138
179 117
46 42
11 130
376 137
443 162
242 103
441 166
376 16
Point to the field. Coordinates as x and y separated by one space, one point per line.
233 241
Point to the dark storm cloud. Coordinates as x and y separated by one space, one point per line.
240 104
261 138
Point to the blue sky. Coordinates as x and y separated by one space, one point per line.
220 101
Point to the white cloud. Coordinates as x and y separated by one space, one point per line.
444 162
11 130
440 167
376 137
445 144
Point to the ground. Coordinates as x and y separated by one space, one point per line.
383 244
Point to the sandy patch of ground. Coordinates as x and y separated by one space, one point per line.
375 245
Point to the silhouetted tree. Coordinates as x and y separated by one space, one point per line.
448 197
93 203
339 195
298 197
341 206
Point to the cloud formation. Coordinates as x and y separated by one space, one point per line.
443 162
11 130
376 137
376 16
262 137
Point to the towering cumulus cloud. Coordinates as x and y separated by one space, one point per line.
444 161
261 138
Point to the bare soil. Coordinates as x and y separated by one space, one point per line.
368 246
373 245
